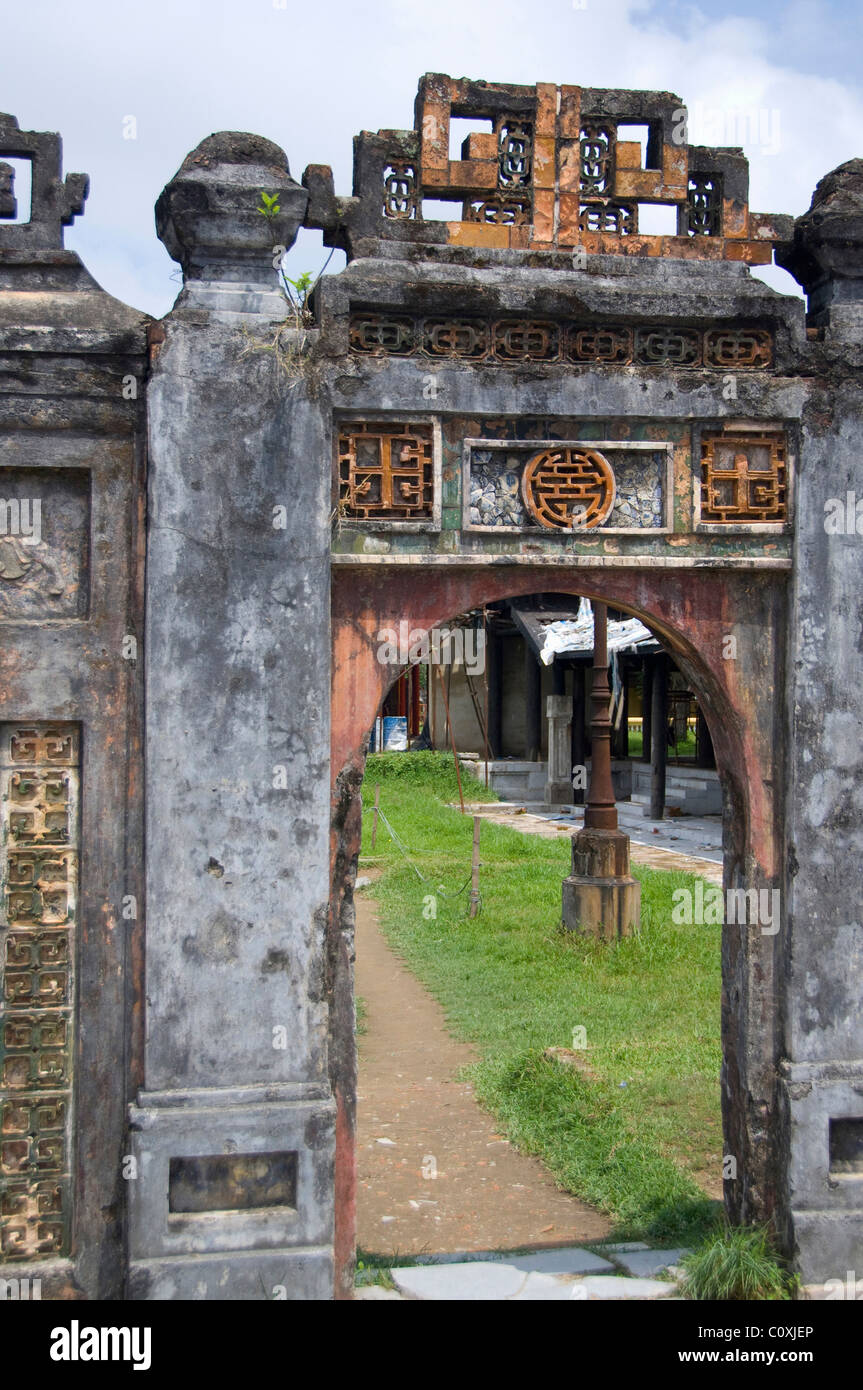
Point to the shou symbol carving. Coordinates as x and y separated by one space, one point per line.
385 472
541 340
563 488
743 479
39 869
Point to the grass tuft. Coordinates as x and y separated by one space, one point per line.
737 1263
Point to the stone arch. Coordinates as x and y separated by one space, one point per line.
692 611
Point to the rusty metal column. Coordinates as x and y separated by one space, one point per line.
601 812
600 897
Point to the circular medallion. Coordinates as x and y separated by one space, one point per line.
568 488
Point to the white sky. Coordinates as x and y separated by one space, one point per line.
310 76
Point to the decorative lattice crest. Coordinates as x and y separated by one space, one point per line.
566 488
743 479
543 340
386 472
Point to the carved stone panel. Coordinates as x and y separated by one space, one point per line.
38 899
44 542
562 485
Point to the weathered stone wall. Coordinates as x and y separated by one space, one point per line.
235 1176
72 443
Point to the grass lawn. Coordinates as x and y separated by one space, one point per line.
637 1127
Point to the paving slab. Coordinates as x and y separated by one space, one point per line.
376 1293
545 1288
599 1286
645 1264
472 1281
565 1261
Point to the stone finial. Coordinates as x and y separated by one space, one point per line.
54 201
825 252
210 215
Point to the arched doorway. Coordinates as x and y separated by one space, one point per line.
730 663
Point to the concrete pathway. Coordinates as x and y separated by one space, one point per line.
613 1272
433 1173
695 848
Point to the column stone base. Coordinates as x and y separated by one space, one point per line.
600 897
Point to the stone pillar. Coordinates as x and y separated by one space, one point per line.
600 896
558 786
822 923
232 1132
659 739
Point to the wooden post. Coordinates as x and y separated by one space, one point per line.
659 739
414 721
474 879
452 737
375 817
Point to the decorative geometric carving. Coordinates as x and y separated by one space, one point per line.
731 349
386 472
619 218
501 210
704 205
392 334
541 340
38 880
667 347
468 339
526 340
743 478
515 152
566 487
597 158
600 344
400 189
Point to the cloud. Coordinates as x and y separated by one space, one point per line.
310 76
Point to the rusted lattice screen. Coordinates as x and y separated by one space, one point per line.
385 472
